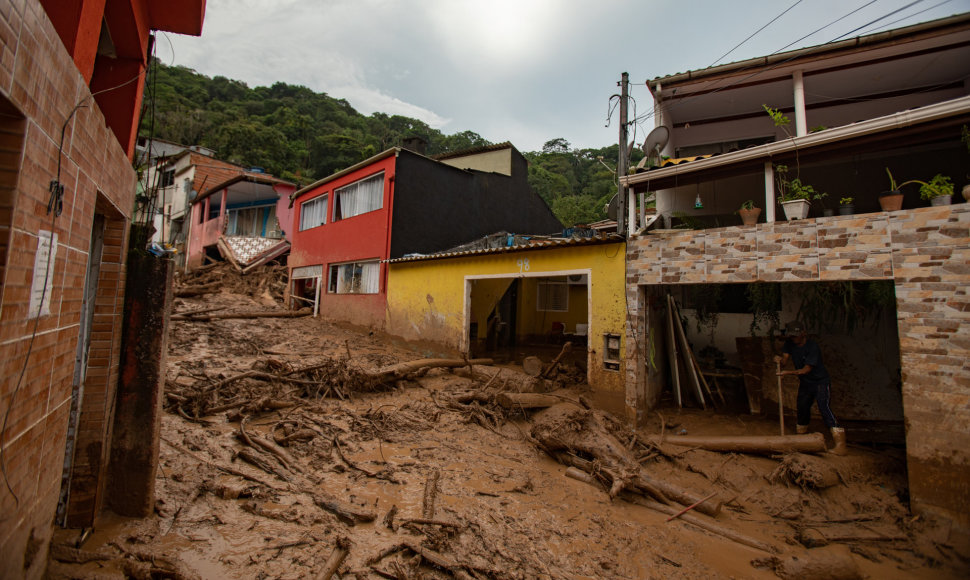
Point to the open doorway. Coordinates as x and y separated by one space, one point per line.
511 318
732 332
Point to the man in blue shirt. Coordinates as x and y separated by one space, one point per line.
814 384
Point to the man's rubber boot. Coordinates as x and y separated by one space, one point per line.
838 435
801 429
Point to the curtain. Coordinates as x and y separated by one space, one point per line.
313 213
361 197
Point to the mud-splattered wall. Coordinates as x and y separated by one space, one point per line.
925 251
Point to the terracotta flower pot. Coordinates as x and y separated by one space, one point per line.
749 217
891 200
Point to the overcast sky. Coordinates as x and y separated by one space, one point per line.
524 71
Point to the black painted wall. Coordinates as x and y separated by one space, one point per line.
437 206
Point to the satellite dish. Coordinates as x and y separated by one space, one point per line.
654 143
612 207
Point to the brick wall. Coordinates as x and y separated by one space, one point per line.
925 251
39 82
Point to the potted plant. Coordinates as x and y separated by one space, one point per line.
794 196
749 213
846 206
891 200
938 191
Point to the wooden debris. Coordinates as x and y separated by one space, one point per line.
337 558
703 523
347 512
531 400
810 442
197 290
430 493
245 315
402 370
566 349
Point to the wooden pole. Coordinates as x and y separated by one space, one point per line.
808 443
781 407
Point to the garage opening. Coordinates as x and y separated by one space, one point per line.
510 319
713 348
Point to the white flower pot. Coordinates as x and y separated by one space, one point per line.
797 209
941 200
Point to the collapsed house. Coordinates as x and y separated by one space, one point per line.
70 91
895 100
243 220
400 202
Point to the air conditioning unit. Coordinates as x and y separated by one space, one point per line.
578 279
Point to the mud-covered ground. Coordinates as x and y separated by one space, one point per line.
313 455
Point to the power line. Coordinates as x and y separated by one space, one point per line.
755 33
778 64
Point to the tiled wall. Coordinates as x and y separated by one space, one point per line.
39 81
926 252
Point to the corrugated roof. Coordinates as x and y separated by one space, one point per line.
538 244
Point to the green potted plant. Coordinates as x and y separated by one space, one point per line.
891 200
846 206
749 213
939 190
794 196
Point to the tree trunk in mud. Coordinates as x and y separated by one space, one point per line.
575 432
811 442
528 400
401 370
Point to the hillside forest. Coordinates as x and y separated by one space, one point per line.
297 134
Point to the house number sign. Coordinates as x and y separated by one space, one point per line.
523 265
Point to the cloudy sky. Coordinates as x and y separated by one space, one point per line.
525 71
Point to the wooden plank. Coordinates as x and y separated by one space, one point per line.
688 354
672 350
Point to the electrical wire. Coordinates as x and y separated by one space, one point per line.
755 33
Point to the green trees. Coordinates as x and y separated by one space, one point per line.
301 135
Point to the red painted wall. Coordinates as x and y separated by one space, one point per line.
362 237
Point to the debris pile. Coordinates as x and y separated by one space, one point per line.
298 448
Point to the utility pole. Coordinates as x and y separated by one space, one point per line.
623 165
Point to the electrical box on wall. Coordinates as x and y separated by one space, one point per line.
611 352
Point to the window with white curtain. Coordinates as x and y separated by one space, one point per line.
313 213
355 278
359 197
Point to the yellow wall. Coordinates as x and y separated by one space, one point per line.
426 299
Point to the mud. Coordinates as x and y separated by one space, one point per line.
502 506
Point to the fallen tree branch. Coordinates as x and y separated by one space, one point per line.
247 315
337 558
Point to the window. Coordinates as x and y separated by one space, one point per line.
355 278
552 296
313 213
168 178
359 197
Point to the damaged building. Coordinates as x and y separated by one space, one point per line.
883 290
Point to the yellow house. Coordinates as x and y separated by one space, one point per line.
519 300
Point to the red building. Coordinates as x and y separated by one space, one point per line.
397 203
71 80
